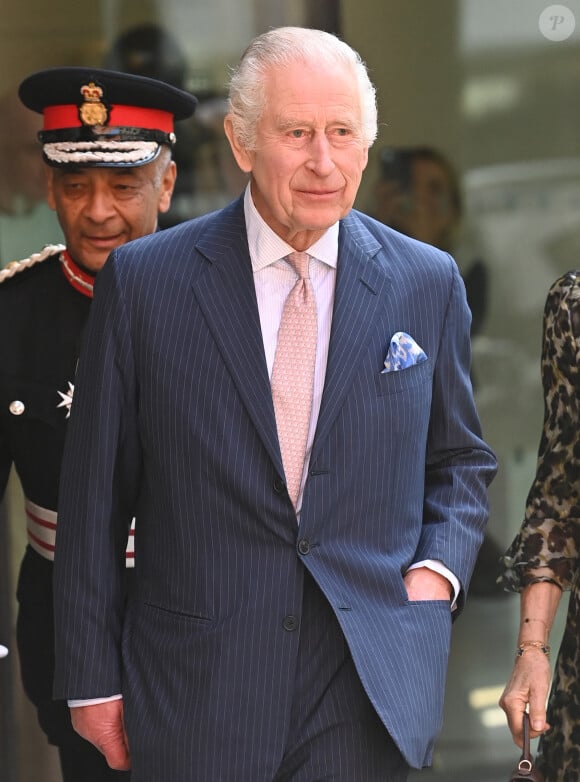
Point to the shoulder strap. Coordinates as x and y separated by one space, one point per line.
18 266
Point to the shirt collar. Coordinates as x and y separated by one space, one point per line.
266 247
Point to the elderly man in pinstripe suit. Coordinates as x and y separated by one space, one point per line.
292 611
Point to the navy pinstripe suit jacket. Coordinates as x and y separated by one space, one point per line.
173 422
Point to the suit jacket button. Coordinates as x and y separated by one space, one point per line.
304 546
16 407
290 623
279 485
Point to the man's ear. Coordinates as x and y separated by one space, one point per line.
167 185
244 157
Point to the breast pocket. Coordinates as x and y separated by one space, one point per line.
404 380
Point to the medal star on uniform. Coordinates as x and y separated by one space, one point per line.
66 398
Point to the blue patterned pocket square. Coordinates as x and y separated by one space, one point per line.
403 352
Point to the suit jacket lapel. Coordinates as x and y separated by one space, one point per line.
227 296
361 284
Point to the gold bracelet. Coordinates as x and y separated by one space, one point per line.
530 619
540 645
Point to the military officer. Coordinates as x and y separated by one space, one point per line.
106 141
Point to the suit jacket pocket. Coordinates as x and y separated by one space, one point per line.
179 614
402 380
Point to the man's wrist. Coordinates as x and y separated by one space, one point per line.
76 703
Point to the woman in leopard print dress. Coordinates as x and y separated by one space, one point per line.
544 558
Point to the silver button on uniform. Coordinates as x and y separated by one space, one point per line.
16 407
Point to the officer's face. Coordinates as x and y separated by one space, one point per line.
102 208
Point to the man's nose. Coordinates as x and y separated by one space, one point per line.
100 204
321 160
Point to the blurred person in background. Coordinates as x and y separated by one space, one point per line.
24 214
22 179
417 192
207 174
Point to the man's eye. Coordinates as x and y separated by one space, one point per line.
124 189
297 133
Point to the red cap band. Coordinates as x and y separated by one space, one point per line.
67 116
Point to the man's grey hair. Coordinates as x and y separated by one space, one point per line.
281 47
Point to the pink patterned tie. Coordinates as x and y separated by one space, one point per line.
293 373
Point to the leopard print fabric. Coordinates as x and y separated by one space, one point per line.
550 534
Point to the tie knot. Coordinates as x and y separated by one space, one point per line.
299 262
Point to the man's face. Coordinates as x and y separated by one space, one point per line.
433 190
310 154
424 210
102 208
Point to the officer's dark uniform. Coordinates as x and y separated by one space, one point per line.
44 305
44 316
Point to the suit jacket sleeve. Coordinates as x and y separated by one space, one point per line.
95 510
455 505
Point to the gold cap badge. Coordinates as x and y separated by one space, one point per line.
93 111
